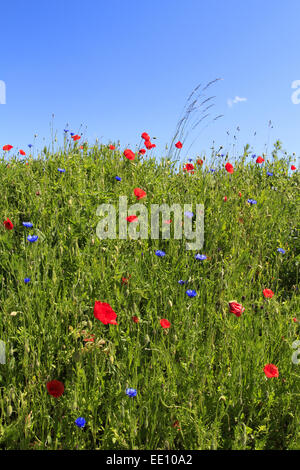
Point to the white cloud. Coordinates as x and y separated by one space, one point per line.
237 99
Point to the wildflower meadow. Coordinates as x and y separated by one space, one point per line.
140 343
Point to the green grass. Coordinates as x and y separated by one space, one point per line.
206 371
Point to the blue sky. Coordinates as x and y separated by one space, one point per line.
114 69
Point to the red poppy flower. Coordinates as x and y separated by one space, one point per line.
7 147
259 160
200 162
129 154
139 193
104 313
21 152
125 279
55 388
8 224
268 293
76 137
178 145
189 167
143 151
112 147
168 221
148 144
293 168
271 371
165 323
135 319
240 194
295 320
145 136
229 168
236 308
176 425
225 198
131 218
91 339
152 146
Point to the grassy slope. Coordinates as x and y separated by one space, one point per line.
206 371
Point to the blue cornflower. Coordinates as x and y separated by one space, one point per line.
32 238
160 253
212 170
118 178
181 282
66 130
131 392
281 250
62 170
27 224
269 173
27 279
254 155
190 159
191 293
72 133
189 214
252 201
200 257
80 422
30 145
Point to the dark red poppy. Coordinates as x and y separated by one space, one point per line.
76 137
139 193
7 147
145 136
225 198
55 388
112 147
21 152
8 224
178 145
165 323
271 371
259 160
135 319
132 218
104 313
293 168
129 154
229 168
200 162
126 279
143 151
